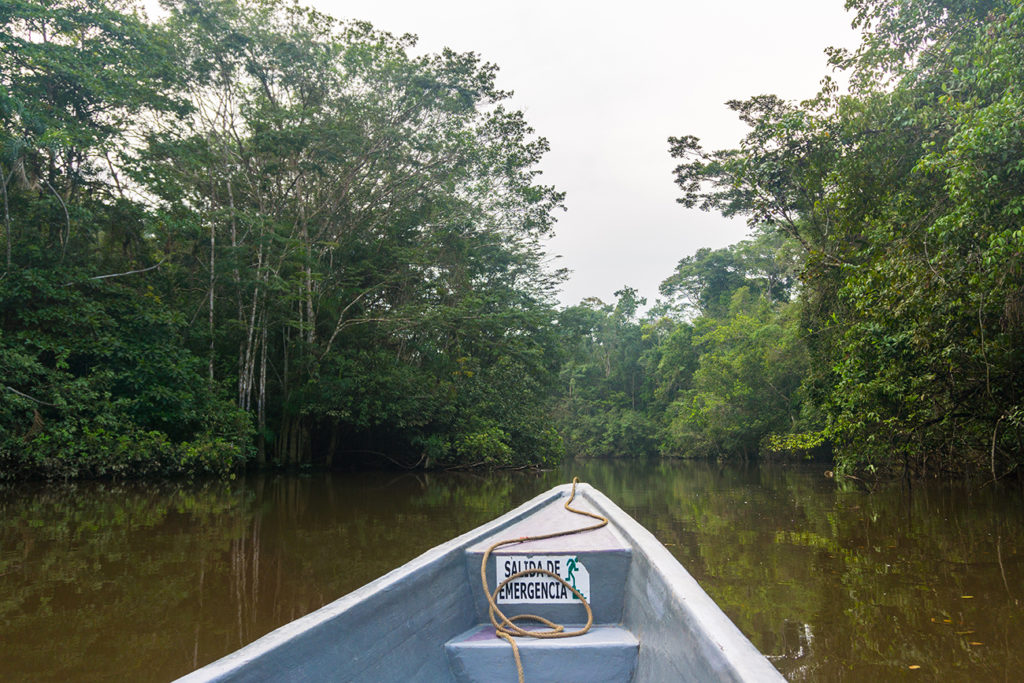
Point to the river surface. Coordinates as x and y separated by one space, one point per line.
146 582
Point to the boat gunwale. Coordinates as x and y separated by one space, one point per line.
722 640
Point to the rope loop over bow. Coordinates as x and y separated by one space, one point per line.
505 626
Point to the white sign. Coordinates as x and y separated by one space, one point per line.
541 588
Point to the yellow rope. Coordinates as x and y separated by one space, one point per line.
503 625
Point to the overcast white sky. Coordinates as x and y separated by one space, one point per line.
607 84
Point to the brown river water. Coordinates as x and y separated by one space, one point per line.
145 582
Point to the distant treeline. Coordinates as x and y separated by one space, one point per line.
249 233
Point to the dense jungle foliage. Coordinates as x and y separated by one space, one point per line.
906 199
250 233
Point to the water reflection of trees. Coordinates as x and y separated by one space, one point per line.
93 575
147 582
838 584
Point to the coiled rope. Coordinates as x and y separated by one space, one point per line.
503 625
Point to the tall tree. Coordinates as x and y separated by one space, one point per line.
704 282
94 378
902 194
355 203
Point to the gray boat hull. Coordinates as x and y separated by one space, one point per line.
395 628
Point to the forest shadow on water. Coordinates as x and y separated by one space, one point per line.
145 582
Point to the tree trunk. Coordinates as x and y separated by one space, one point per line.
332 446
213 282
8 237
293 443
261 404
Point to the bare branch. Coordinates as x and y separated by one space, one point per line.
130 272
36 400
